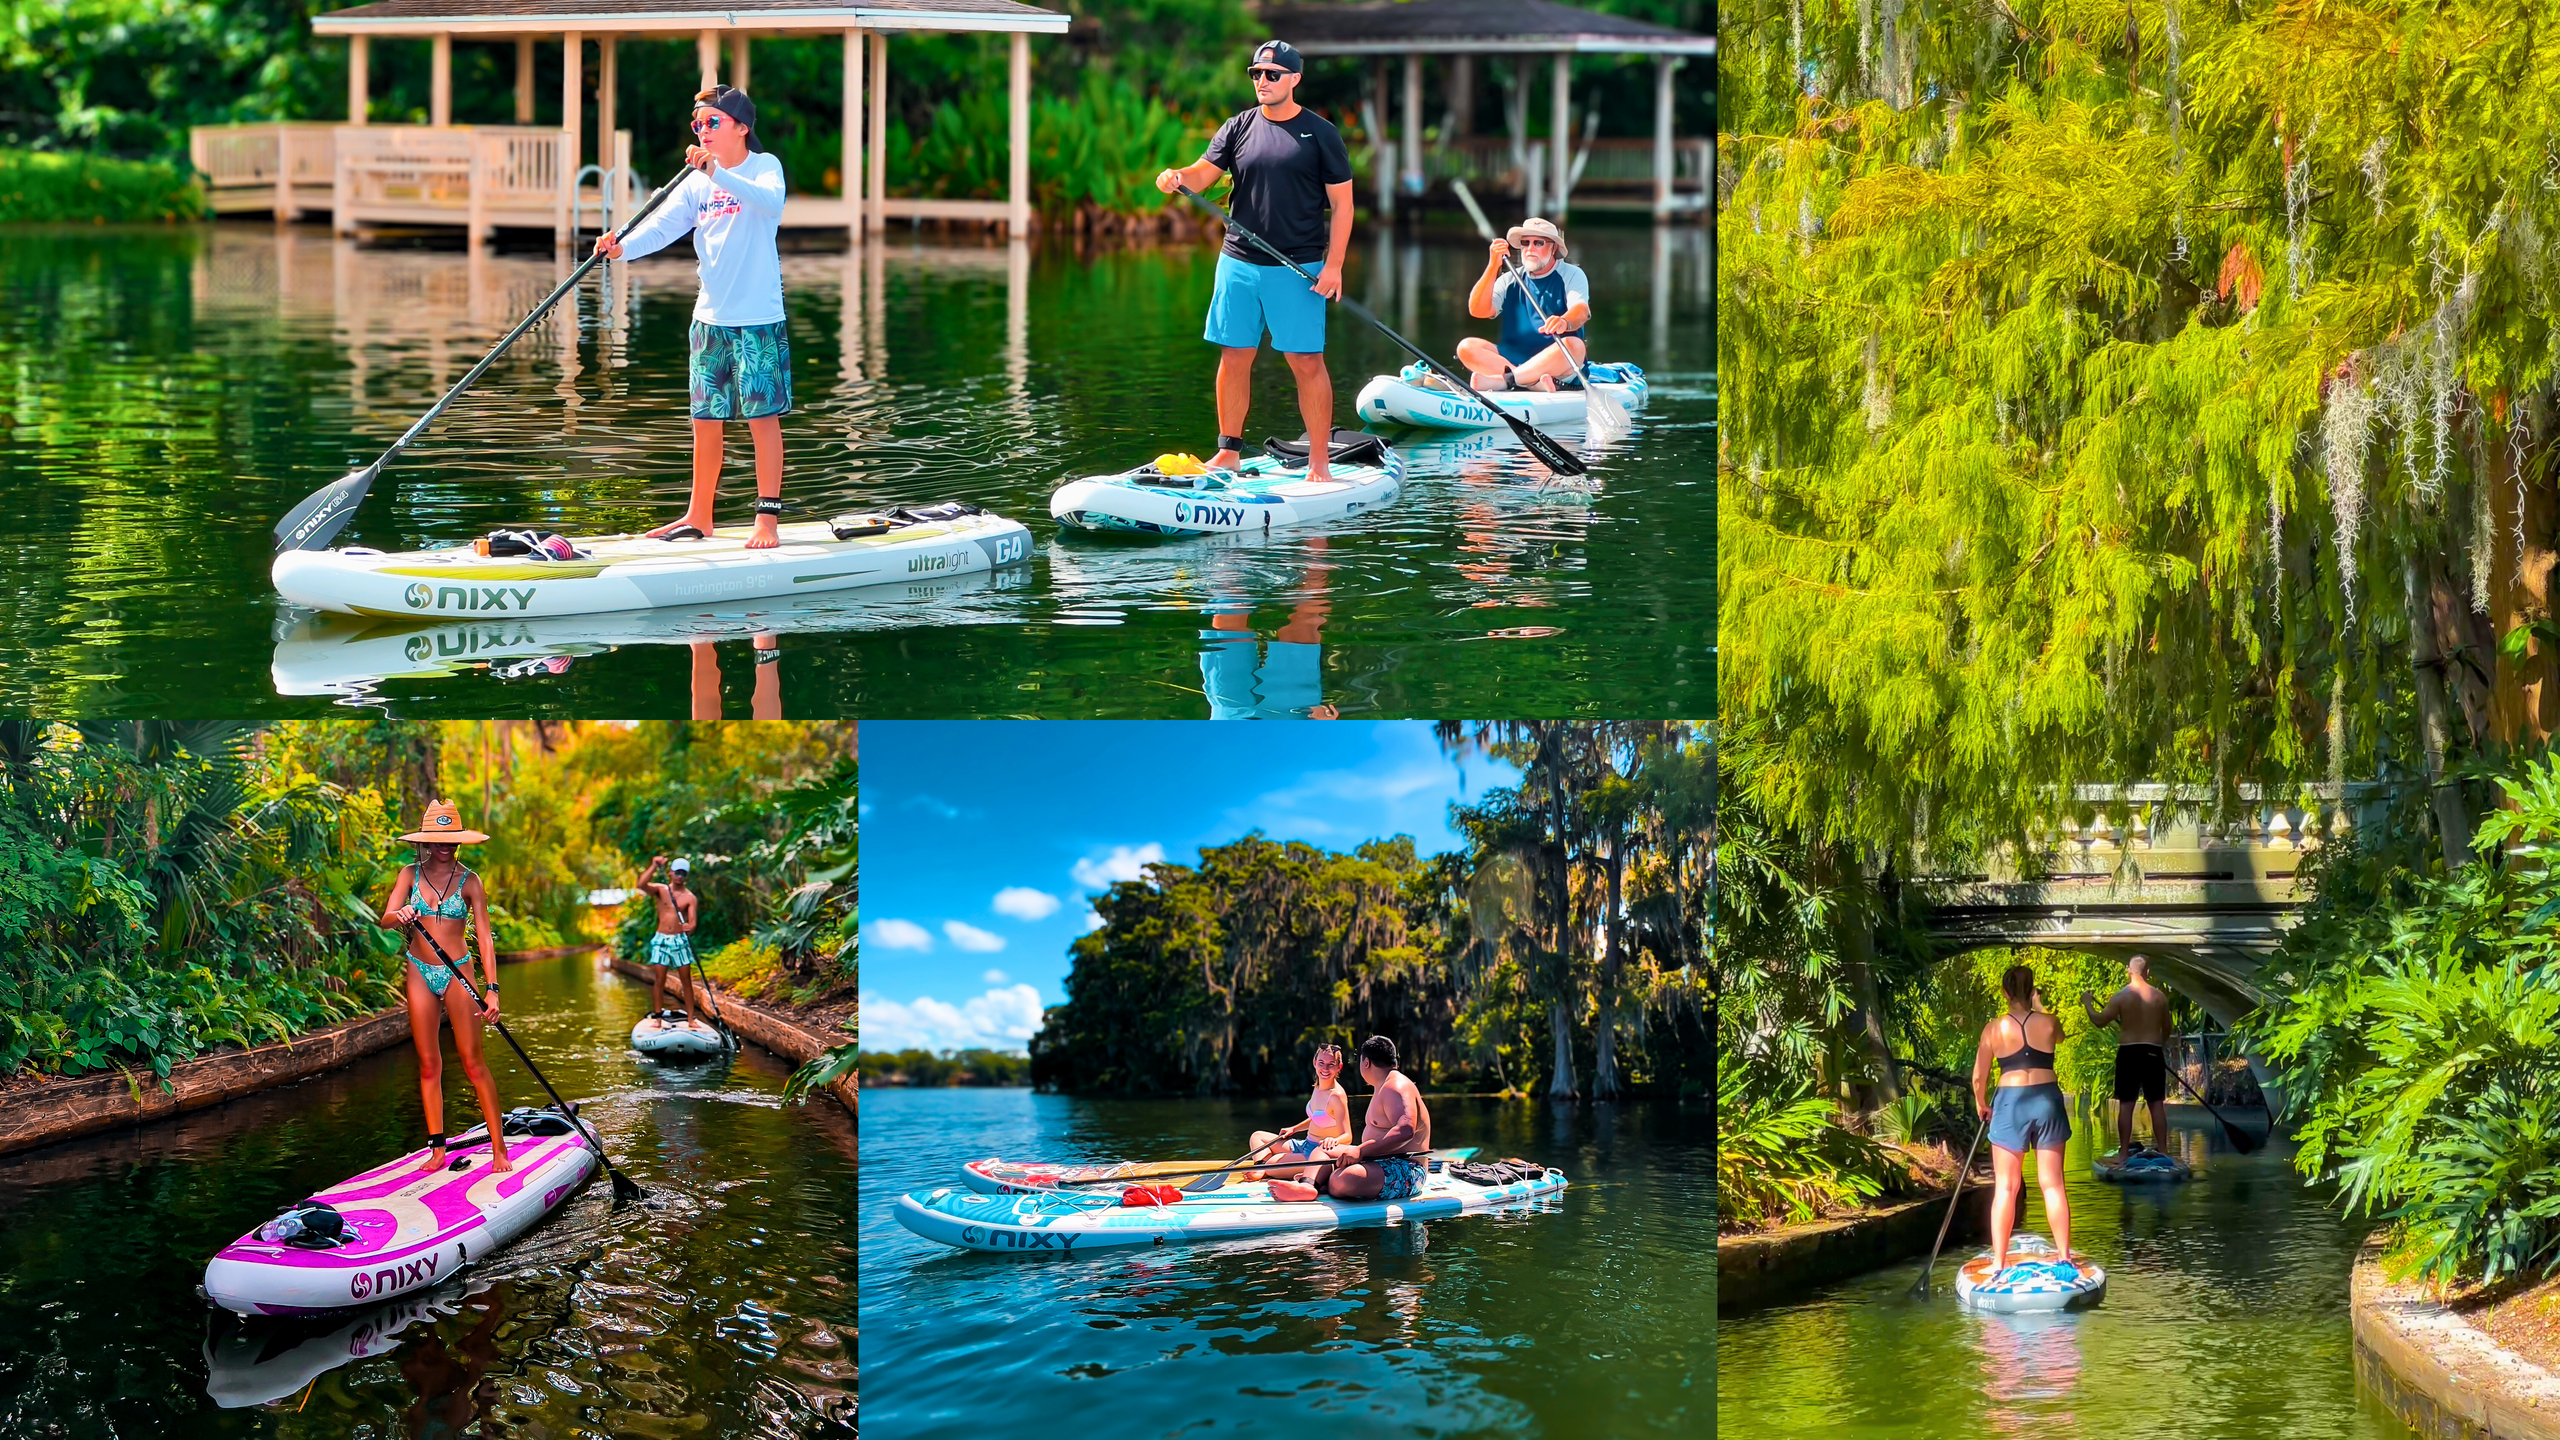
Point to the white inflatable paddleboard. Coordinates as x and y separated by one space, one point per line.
622 572
1259 495
402 1229
1064 1223
2037 1278
668 1034
1394 400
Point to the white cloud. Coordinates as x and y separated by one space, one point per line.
1121 864
972 939
1000 1019
1024 903
900 935
1092 920
995 977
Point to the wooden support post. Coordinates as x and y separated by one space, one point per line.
359 72
849 165
1411 149
1663 65
1018 166
1462 96
876 211
738 59
706 49
524 79
573 75
608 83
1560 124
440 84
1379 114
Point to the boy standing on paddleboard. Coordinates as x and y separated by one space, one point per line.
1531 351
1290 165
741 366
672 947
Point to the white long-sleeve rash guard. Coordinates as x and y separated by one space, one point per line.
734 216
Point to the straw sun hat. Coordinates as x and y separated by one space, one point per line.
443 826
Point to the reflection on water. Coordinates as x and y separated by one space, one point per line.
2225 1314
178 390
722 1304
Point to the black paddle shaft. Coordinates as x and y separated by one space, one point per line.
1921 1287
708 998
1551 454
315 522
624 1187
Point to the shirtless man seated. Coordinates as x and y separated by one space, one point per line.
1395 1137
2140 1013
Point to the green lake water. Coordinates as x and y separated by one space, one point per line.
174 391
2225 1314
1592 1315
720 1305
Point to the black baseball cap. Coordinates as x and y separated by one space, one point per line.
1280 53
732 102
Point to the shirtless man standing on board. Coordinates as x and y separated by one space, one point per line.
672 947
1390 1162
2140 1013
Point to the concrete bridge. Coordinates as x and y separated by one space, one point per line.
2145 868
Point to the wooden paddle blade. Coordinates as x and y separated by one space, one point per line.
315 522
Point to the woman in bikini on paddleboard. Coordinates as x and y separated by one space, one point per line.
1328 1118
437 895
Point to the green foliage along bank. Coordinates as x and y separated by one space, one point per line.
924 1069
95 189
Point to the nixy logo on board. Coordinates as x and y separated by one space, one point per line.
420 596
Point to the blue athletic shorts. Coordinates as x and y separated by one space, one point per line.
1252 298
2029 1117
740 372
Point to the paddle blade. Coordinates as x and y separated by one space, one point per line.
1606 417
624 1187
1550 451
317 520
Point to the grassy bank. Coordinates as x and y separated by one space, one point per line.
39 186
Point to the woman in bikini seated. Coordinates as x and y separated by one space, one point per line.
436 895
1328 1118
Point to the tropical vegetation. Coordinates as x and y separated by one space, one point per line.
2161 395
925 1069
1566 937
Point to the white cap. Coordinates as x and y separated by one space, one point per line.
684 865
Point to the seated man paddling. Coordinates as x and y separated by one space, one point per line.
1530 352
1390 1161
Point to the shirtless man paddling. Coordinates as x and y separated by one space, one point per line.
1395 1137
2140 1013
672 947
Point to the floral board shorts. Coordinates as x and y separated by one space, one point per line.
670 951
1405 1174
740 372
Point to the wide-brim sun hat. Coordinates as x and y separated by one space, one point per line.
1544 229
443 826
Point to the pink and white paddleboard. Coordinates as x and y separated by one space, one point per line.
404 1228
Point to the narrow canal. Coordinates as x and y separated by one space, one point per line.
2225 1314
720 1305
1589 1315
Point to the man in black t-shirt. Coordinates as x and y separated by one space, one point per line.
1290 164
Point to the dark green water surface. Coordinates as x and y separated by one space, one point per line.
722 1305
174 391
1591 1316
2225 1314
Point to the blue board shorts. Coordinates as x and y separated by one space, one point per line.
670 951
1405 1174
2029 1117
1249 299
740 372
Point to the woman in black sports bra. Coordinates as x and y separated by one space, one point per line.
2025 1111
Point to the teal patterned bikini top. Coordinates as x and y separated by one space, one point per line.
451 907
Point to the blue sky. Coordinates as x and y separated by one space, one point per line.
982 841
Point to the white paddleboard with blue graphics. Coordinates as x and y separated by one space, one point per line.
1266 492
2036 1278
1064 1223
1430 404
613 573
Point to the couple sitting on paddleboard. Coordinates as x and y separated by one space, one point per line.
1293 188
1388 1163
2025 1107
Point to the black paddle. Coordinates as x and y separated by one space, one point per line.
1920 1288
727 1035
624 1187
2241 1140
1550 453
1218 1177
315 522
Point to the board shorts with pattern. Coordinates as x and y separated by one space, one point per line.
670 951
740 372
1405 1174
